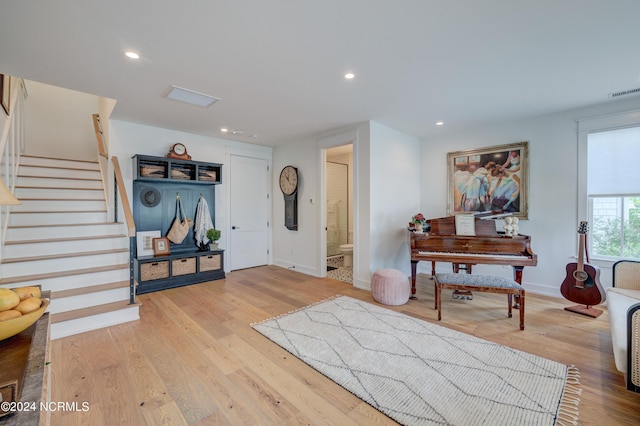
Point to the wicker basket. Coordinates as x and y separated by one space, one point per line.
183 266
150 170
154 271
210 263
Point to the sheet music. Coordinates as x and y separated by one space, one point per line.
465 224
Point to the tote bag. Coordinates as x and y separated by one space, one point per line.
180 227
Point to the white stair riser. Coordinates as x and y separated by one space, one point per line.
25 160
54 194
64 231
76 281
23 219
13 251
86 300
47 266
59 206
58 183
80 325
50 172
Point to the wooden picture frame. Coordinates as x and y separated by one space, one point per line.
161 246
5 92
493 179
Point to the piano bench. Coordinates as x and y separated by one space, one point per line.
480 283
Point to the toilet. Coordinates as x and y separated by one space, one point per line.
347 251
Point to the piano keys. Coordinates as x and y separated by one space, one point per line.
441 244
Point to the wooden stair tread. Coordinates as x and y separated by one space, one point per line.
59 240
58 158
60 199
91 310
89 289
65 224
57 187
45 166
59 177
72 272
65 255
59 211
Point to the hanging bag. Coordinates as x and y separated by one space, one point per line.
180 227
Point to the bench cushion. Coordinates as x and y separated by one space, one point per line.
477 281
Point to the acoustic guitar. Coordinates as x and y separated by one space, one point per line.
582 283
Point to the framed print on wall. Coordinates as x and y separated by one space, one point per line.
5 91
161 246
144 242
493 179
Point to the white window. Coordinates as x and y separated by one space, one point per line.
612 189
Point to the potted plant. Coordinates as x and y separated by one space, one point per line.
418 222
213 235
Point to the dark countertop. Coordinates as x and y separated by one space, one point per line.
32 343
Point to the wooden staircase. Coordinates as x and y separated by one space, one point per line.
59 238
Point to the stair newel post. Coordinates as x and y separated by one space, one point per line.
132 290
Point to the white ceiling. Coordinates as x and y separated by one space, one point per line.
278 65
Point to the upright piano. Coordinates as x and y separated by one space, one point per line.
487 246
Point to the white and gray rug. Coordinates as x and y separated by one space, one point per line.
420 373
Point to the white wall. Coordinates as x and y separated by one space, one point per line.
395 196
127 139
58 122
553 184
386 194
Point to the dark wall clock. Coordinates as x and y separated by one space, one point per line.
289 188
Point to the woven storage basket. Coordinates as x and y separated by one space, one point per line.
210 263
183 266
149 170
154 271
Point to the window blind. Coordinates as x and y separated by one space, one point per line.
613 159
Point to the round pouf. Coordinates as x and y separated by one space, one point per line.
390 287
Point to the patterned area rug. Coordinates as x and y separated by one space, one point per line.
420 373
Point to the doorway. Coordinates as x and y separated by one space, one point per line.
339 204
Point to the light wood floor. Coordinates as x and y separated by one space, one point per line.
194 359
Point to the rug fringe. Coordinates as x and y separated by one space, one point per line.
568 412
297 310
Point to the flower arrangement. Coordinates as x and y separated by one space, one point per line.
418 218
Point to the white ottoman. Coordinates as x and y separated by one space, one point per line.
390 287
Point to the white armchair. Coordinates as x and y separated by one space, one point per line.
623 304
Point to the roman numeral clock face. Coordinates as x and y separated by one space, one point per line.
289 187
289 180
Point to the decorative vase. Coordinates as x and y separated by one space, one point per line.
418 227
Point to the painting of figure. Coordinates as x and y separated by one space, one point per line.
489 180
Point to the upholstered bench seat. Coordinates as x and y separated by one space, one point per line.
480 283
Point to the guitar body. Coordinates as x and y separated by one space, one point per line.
588 292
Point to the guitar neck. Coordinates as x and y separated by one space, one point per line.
581 253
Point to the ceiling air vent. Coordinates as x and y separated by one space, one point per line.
624 93
191 97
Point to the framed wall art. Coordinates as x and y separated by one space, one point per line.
161 246
144 240
493 179
5 92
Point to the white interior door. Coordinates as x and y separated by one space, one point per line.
249 202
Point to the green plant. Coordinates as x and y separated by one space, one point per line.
213 234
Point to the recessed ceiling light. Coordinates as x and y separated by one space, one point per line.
224 130
440 123
132 55
237 132
349 75
191 97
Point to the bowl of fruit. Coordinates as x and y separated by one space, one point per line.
19 309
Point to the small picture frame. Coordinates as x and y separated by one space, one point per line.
144 242
161 246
